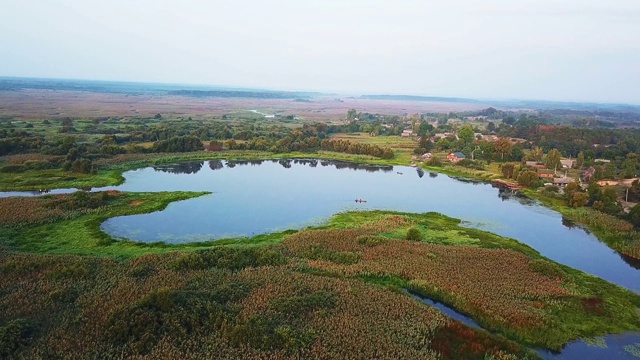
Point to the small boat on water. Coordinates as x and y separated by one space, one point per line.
361 201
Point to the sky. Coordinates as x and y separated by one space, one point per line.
575 50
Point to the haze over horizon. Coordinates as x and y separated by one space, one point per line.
498 49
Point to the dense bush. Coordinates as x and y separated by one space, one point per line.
414 234
14 335
178 144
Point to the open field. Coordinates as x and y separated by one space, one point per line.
44 104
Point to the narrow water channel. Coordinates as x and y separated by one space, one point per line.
617 346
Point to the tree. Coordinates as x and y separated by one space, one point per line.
629 168
528 178
609 171
231 144
491 127
571 189
503 147
609 202
424 128
580 160
595 192
579 199
507 170
444 144
634 191
466 134
536 154
351 114
634 215
553 159
214 146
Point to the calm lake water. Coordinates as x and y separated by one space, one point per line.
254 197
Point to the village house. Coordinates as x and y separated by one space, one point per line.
516 140
567 163
437 137
588 174
407 133
456 157
535 165
608 182
562 182
427 156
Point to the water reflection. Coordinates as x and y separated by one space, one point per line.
215 164
433 174
506 194
568 223
310 162
191 167
234 163
633 262
285 163
353 166
420 172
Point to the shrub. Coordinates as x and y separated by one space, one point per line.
371 240
13 336
434 161
13 168
414 234
39 164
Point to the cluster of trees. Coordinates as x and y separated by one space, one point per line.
356 148
178 144
602 199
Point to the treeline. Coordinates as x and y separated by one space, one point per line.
178 144
605 143
237 94
70 153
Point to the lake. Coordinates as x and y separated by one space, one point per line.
255 197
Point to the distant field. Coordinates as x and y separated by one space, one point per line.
30 104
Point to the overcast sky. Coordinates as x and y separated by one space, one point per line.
528 49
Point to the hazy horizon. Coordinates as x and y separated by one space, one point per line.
578 51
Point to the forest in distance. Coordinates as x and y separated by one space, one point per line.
357 285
